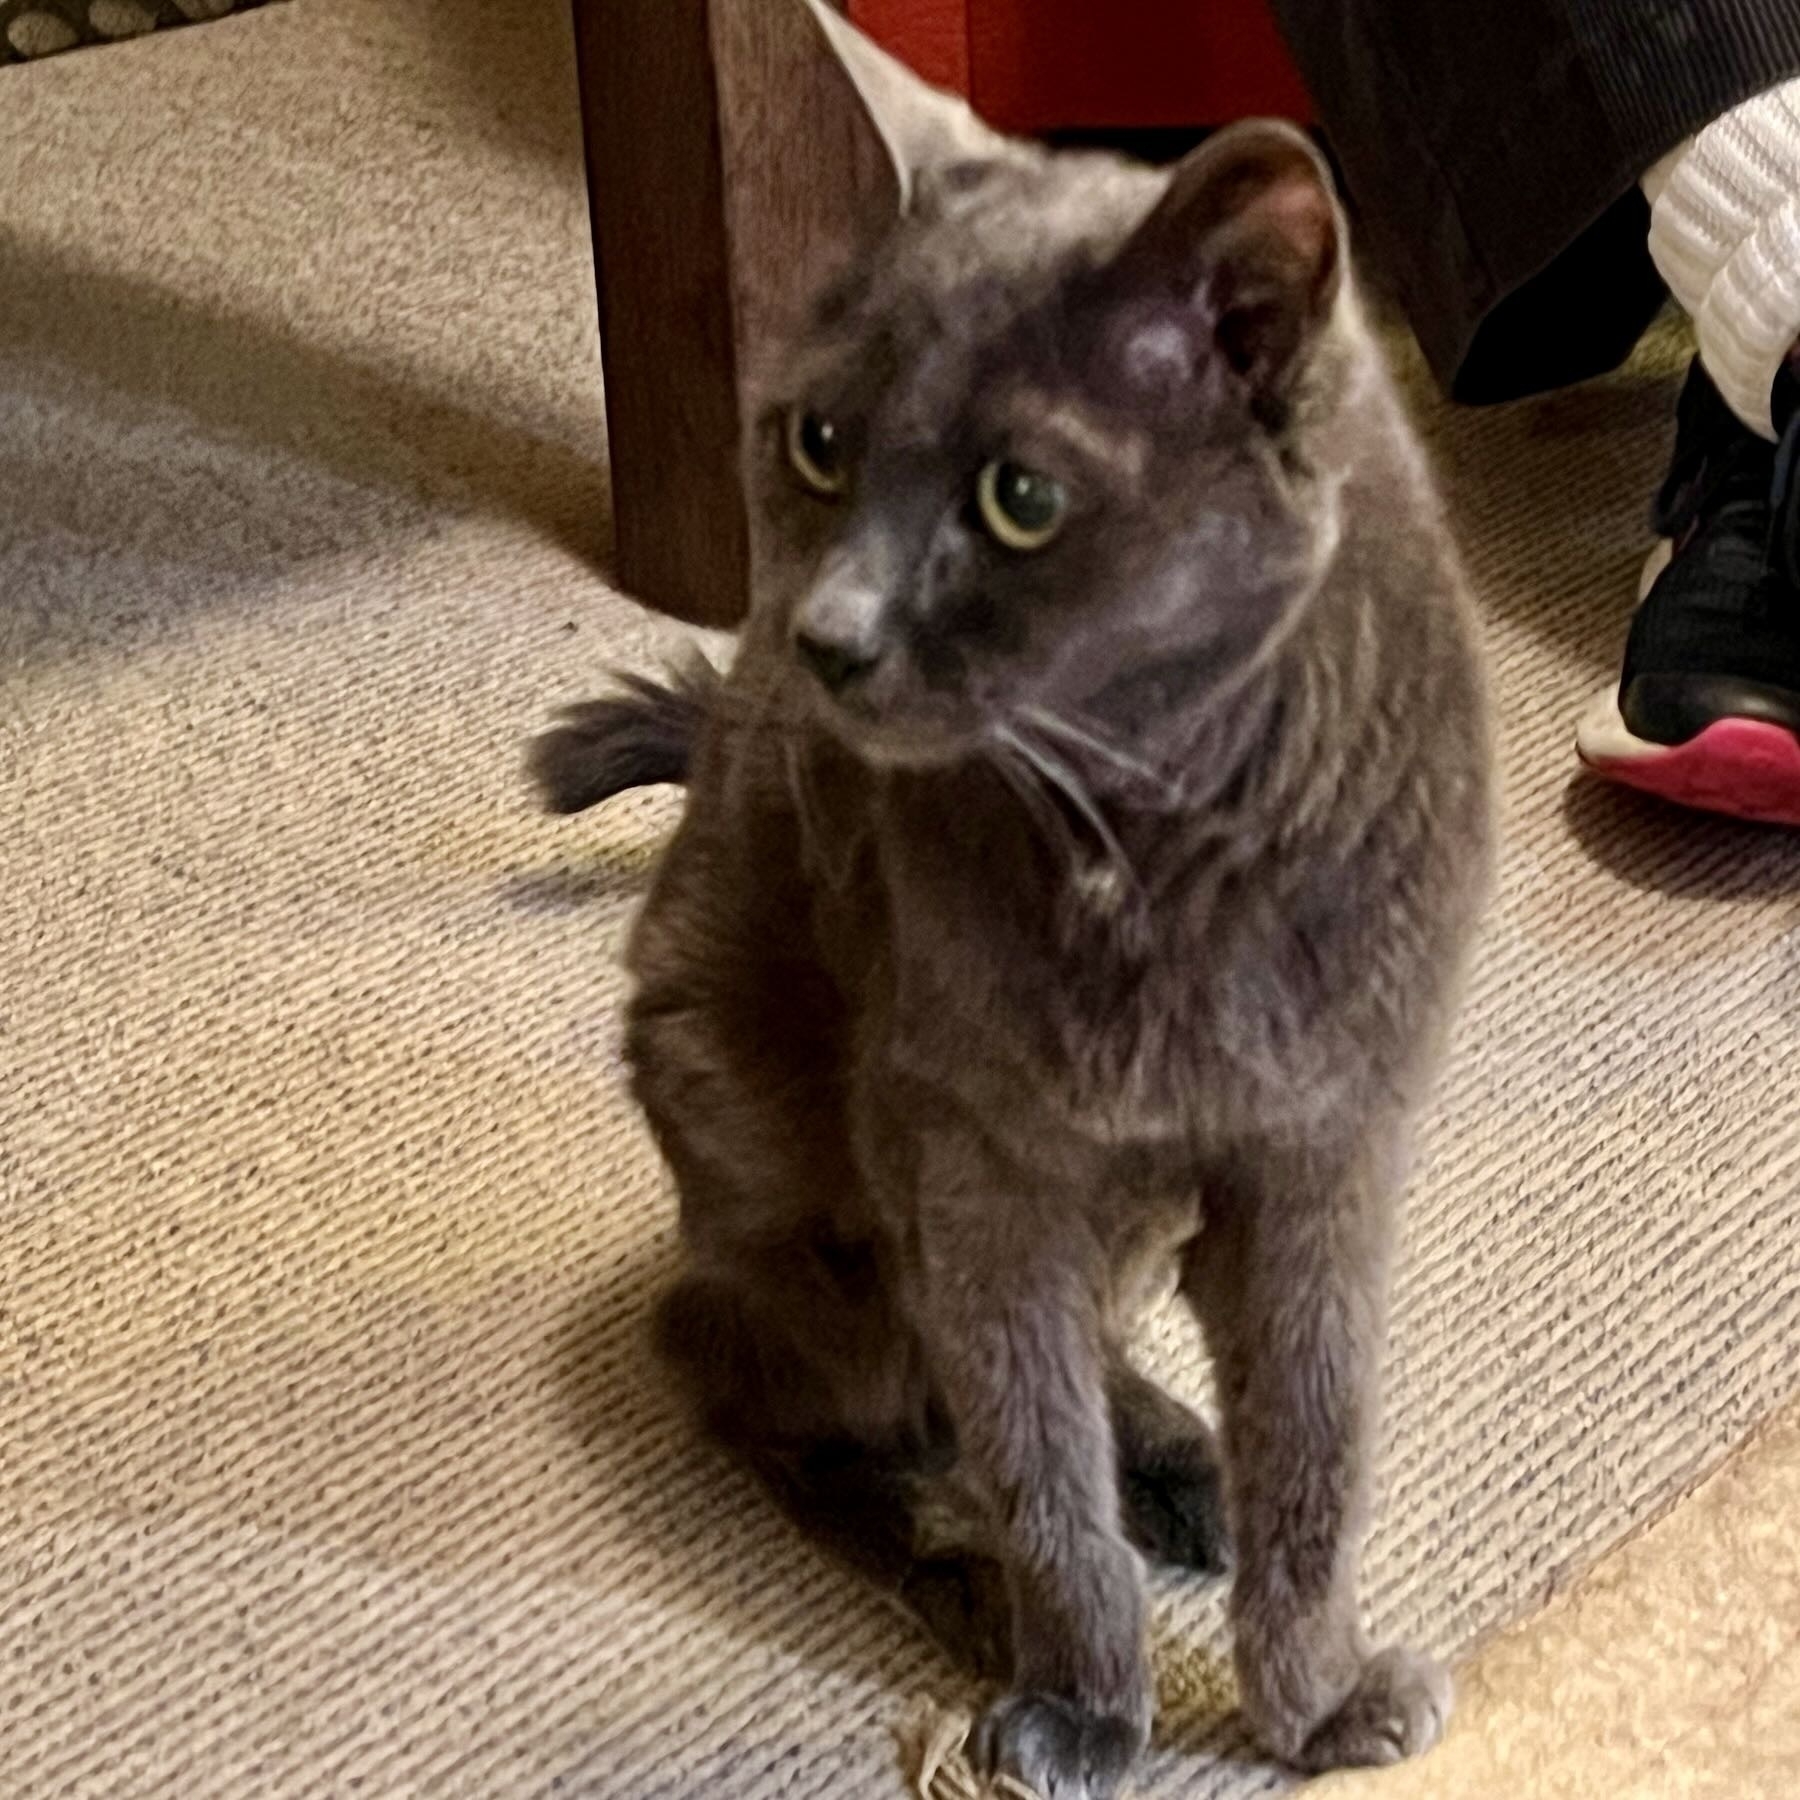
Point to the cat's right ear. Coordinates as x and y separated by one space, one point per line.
1240 263
918 128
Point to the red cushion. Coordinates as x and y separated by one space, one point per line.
1039 65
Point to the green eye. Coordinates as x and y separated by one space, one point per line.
815 448
1023 509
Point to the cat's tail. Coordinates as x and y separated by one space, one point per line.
640 736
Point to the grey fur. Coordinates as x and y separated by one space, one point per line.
642 736
1105 935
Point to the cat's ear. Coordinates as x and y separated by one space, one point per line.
919 127
1242 259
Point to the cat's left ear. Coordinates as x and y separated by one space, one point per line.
920 127
1242 259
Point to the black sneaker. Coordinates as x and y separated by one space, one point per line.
1707 712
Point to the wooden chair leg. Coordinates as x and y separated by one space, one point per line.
656 189
723 160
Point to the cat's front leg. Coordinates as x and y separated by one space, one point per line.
1290 1282
1009 1311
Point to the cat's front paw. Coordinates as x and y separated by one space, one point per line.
1057 1749
1398 1708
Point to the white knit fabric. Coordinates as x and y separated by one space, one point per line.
1725 232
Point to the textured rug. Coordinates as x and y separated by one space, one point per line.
1671 1669
30 29
331 1461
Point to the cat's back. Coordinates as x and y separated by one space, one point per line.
1364 845
1396 620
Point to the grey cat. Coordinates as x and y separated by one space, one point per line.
1076 871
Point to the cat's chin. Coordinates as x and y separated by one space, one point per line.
893 745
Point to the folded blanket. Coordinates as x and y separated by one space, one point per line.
33 28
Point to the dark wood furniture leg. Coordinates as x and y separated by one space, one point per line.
656 188
721 158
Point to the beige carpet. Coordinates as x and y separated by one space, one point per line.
1672 1672
330 1460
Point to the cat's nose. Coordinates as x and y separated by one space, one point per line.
836 661
838 630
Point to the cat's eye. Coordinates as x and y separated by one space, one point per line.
1021 508
815 450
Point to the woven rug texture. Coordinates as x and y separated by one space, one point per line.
30 29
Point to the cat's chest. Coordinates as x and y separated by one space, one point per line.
1132 1026
1212 1031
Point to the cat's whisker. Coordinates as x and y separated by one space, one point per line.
1016 771
1083 737
1057 775
800 786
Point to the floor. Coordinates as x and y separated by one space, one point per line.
1672 1671
333 1460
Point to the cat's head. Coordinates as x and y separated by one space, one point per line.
1044 450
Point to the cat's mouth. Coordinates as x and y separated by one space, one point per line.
889 743
889 730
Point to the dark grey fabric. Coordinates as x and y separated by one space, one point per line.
1492 150
30 29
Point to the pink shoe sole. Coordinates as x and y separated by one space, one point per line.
1746 768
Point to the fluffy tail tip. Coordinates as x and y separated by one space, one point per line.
641 736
